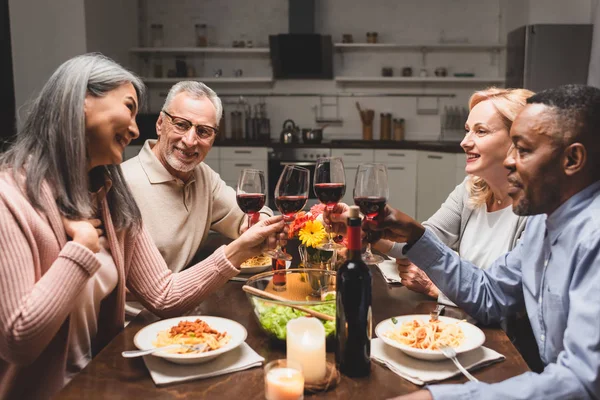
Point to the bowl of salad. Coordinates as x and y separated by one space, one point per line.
312 289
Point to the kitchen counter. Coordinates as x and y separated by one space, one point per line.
444 147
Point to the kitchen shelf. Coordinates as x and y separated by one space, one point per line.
419 47
190 50
210 79
412 79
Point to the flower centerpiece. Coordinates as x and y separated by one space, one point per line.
309 228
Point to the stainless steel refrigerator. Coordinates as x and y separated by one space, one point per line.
544 56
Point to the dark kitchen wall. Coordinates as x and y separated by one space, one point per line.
7 112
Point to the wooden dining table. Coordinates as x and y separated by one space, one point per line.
110 376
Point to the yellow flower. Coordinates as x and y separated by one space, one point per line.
312 234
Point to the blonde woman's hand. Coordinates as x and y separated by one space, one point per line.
85 232
415 279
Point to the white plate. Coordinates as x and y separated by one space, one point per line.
144 338
474 337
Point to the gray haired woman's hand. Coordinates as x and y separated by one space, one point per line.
85 232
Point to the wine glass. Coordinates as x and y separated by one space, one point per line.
371 193
291 194
251 192
330 186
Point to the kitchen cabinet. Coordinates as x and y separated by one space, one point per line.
232 160
461 161
352 159
436 178
402 178
212 159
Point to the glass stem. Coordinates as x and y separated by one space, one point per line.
368 250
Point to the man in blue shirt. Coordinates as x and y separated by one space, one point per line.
554 175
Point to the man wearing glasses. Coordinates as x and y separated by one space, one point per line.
180 197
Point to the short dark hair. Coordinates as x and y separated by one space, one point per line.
577 108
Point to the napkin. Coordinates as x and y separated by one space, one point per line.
421 372
164 372
389 270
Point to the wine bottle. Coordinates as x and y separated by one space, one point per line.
353 307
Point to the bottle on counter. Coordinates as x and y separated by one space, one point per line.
353 321
399 129
385 126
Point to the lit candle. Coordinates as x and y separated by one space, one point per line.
306 346
283 382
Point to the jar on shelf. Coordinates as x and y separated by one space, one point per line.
156 35
157 68
201 35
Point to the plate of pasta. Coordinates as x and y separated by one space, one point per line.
420 338
256 264
219 335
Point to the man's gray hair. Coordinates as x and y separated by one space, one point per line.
197 90
51 145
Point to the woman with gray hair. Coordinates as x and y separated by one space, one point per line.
71 236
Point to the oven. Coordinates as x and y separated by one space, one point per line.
305 157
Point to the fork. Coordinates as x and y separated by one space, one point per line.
450 353
433 316
138 353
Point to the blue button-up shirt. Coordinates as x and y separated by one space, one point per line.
555 272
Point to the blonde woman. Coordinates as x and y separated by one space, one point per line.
476 220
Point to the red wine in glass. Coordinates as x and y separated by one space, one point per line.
290 205
330 187
371 192
370 206
330 193
251 203
251 192
291 194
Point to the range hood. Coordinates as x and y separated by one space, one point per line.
301 53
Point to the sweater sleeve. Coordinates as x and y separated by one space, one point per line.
170 294
32 312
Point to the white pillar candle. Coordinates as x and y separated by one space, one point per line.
306 346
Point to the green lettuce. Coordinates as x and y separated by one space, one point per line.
274 318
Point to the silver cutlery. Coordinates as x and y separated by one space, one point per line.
138 353
433 316
450 353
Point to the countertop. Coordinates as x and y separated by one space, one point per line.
445 147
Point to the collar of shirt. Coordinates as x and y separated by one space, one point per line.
569 210
154 169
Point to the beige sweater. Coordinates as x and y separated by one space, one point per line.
41 274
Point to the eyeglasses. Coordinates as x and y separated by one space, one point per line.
182 126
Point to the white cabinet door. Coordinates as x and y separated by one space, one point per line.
212 159
352 158
436 178
402 180
233 160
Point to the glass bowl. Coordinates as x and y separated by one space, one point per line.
310 288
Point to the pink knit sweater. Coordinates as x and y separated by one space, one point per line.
41 274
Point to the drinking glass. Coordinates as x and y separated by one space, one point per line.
330 186
251 192
371 193
291 194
